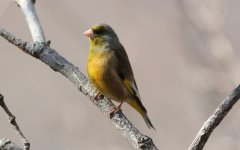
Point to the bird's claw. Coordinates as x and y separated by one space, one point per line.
98 96
115 110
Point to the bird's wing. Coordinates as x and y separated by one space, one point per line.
125 72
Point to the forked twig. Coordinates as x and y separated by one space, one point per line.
12 120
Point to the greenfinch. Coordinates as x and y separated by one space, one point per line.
110 71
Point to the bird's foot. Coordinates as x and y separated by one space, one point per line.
98 96
115 110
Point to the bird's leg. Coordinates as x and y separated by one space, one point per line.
116 109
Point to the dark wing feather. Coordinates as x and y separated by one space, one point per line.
125 70
126 74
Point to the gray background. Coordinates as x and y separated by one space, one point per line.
184 54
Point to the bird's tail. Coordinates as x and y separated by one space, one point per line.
138 106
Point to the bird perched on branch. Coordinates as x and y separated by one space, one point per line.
110 71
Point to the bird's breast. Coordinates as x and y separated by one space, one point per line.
99 67
103 75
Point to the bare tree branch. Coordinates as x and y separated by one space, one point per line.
12 120
214 120
28 9
41 50
6 144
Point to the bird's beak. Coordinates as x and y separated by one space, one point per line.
89 33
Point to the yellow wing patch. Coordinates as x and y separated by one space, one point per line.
132 88
136 106
128 84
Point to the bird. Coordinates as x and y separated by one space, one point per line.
110 71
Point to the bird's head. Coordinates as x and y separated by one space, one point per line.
101 35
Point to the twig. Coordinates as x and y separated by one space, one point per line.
50 57
28 9
12 120
214 120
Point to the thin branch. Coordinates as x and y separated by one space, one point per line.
28 9
58 63
214 120
12 120
6 144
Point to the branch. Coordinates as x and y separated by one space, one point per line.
58 63
6 144
214 120
28 9
12 120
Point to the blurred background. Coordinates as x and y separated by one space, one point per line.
184 54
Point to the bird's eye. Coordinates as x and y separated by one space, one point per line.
99 31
